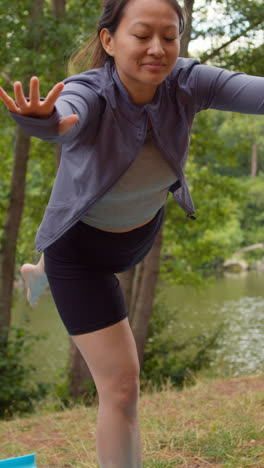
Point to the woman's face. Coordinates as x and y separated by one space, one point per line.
145 46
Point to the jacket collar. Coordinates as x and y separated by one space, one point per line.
136 108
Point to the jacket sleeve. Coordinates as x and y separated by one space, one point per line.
217 88
74 99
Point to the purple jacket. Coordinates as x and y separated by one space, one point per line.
102 145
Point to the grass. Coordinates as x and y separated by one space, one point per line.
215 423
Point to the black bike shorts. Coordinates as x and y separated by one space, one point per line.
80 268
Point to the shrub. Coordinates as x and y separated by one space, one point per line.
17 391
168 359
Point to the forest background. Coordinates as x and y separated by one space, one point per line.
225 170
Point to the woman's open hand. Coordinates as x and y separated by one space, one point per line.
35 107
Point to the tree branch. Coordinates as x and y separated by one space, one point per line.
7 78
206 57
249 248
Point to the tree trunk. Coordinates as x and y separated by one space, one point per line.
17 191
254 164
11 226
186 37
143 293
79 372
58 8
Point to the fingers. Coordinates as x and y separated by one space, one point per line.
19 95
34 95
34 106
53 95
8 101
20 103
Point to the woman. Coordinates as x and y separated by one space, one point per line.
124 128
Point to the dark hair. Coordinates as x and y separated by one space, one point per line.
93 55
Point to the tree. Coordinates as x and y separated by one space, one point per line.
17 190
79 371
39 31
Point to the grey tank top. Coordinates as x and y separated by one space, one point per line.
138 194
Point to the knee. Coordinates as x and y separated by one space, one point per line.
124 393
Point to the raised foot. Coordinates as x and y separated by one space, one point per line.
35 280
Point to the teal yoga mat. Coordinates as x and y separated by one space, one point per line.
28 461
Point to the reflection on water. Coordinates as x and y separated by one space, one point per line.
237 301
242 347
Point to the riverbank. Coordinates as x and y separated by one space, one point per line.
215 423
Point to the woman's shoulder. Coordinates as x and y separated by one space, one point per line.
182 79
94 80
183 68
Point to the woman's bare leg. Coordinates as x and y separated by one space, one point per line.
111 356
35 280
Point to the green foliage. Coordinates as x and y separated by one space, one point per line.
247 58
168 356
234 30
61 397
17 391
192 250
239 132
252 217
228 203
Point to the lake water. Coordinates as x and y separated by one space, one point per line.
236 301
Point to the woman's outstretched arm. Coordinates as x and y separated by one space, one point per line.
220 89
35 107
59 117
